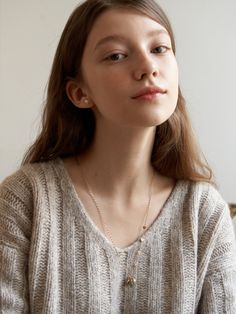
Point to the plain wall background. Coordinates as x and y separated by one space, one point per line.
206 45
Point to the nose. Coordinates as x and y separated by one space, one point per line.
145 67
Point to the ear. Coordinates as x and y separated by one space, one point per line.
75 94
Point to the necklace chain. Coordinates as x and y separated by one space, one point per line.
130 280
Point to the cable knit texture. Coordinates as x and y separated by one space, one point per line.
53 258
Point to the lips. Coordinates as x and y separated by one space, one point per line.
149 91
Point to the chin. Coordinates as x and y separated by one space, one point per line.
158 119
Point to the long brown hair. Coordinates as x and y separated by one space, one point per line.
68 130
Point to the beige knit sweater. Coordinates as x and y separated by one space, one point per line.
53 259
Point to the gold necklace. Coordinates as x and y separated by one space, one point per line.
130 280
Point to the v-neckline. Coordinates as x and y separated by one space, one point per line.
100 236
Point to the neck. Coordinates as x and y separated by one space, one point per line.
121 166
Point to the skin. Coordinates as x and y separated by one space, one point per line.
116 70
117 165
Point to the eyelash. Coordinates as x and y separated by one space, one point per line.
165 48
109 58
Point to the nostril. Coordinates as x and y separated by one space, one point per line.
146 70
155 73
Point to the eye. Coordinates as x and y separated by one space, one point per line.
160 49
116 57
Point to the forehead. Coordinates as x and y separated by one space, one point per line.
124 21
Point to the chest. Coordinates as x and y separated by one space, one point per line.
123 225
80 273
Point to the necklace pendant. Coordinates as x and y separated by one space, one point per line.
130 281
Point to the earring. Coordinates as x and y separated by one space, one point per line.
85 100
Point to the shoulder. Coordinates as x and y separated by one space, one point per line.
202 195
202 203
25 182
25 190
206 207
27 174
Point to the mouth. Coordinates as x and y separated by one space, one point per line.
149 93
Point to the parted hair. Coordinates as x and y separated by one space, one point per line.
67 130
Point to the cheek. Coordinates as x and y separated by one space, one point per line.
95 79
174 86
91 83
174 80
174 70
107 87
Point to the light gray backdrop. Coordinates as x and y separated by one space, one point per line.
206 45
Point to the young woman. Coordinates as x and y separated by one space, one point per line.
114 210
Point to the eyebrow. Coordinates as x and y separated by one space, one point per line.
120 38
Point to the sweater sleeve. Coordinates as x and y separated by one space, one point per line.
15 222
219 287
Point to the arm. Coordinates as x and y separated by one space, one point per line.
219 288
15 198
